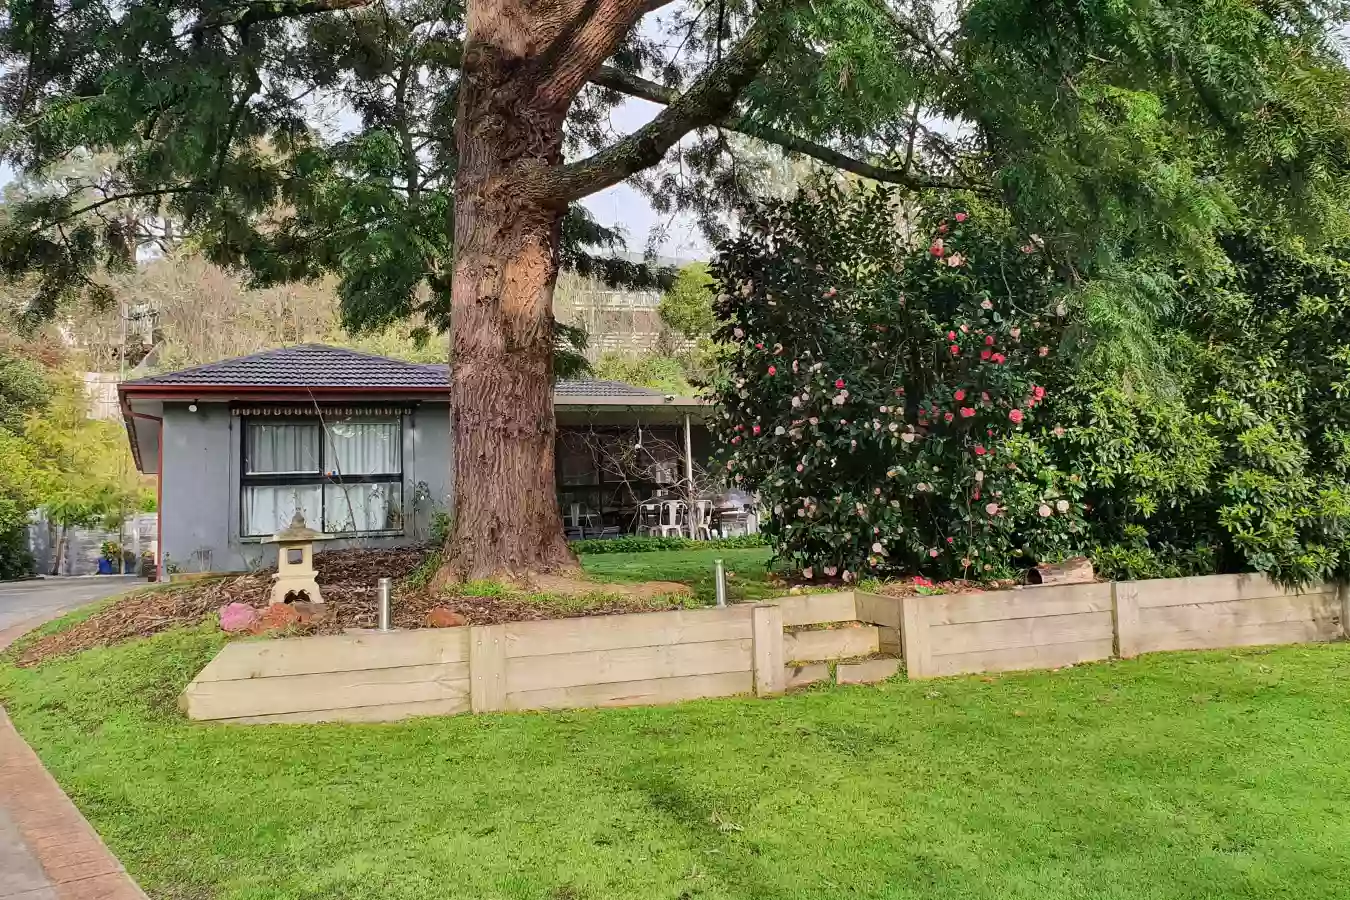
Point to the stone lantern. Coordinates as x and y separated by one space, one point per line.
294 580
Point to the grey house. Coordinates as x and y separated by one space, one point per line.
361 445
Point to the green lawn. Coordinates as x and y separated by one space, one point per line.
746 570
1220 775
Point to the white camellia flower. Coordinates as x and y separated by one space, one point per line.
738 333
894 427
878 549
780 431
1043 510
907 437
807 573
796 402
1062 505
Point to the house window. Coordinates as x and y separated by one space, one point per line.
345 476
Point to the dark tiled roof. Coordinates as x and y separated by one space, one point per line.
305 366
320 366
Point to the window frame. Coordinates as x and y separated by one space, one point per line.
319 478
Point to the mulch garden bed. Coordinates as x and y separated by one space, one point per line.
347 578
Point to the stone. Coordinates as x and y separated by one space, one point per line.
276 617
311 613
440 617
237 617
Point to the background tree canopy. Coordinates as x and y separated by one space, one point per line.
297 137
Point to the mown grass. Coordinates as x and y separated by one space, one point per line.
747 570
1218 775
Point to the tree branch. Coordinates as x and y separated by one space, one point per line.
708 100
275 9
912 31
645 89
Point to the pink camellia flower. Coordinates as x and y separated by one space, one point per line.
740 427
759 345
948 417
960 217
959 395
956 351
794 365
773 370
979 450
1038 392
999 359
936 248
831 292
985 354
984 395
955 260
801 468
1043 511
813 420
986 303
736 439
965 329
839 382
1044 351
967 412
989 341
754 430
992 509
942 228
1015 416
807 573
951 540
738 333
1016 333
951 335
1027 248
1059 431
933 552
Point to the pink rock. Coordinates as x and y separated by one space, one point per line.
237 617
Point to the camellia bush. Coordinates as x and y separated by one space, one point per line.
915 395
875 382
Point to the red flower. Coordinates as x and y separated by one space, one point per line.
967 412
736 439
951 335
759 346
956 351
839 383
1015 416
831 292
936 249
999 359
976 495
979 450
989 341
899 392
755 430
960 217
942 229
773 370
740 427
948 416
951 540
959 395
985 354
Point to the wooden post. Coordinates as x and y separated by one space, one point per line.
914 636
1125 607
769 664
487 668
1343 590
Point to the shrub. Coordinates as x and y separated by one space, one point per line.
873 386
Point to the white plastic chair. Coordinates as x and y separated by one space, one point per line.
703 520
649 519
672 518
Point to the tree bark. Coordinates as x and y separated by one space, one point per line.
507 523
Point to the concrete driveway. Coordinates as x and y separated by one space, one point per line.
43 598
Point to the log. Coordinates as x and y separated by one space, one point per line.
1075 570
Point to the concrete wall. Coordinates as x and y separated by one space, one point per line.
200 490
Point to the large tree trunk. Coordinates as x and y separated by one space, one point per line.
506 518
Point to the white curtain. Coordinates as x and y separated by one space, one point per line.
364 448
277 448
268 509
362 507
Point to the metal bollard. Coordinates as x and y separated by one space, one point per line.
720 580
384 592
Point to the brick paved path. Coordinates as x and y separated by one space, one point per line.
47 849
